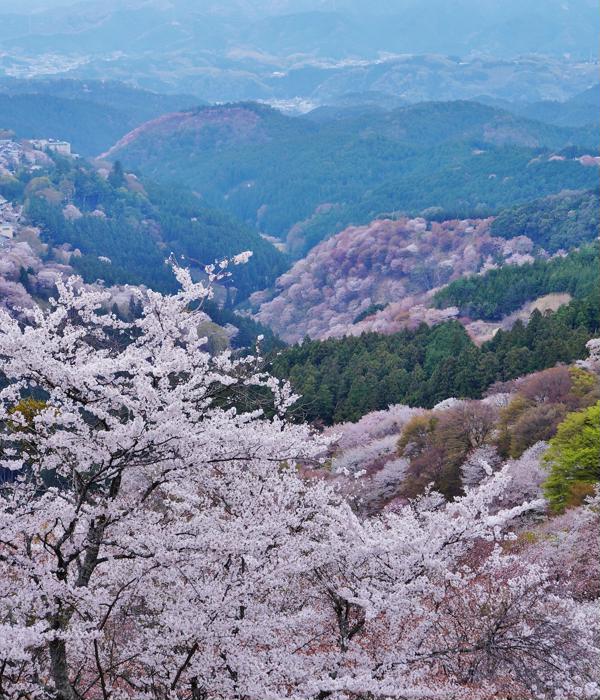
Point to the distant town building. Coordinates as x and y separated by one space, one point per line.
11 155
63 148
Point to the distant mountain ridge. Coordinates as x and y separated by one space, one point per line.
329 28
579 110
314 49
92 115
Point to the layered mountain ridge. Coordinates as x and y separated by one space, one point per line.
299 180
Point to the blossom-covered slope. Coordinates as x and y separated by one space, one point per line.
386 262
389 456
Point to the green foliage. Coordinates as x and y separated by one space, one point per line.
136 227
582 381
116 177
366 373
509 415
11 188
343 379
564 220
25 411
416 434
202 235
248 329
133 254
573 458
500 292
437 444
369 311
545 340
540 404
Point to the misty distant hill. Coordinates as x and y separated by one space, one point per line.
281 49
580 110
92 115
331 28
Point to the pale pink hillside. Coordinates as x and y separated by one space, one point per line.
233 124
398 263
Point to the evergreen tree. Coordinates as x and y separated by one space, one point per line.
116 177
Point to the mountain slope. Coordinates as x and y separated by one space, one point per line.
367 267
342 379
565 220
500 291
581 109
121 230
383 276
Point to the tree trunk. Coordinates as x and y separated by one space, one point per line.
60 673
198 693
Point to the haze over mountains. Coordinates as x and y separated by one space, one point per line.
434 109
313 50
326 28
390 164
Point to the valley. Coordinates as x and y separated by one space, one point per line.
302 181
434 236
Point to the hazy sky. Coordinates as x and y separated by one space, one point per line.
283 27
493 6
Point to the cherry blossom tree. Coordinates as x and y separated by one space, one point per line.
143 510
427 601
158 541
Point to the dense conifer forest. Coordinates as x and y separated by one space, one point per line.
137 226
343 379
459 159
499 292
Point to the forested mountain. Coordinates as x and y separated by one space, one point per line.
401 502
381 277
124 231
398 451
90 114
561 221
294 177
388 266
582 109
326 28
579 110
134 102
